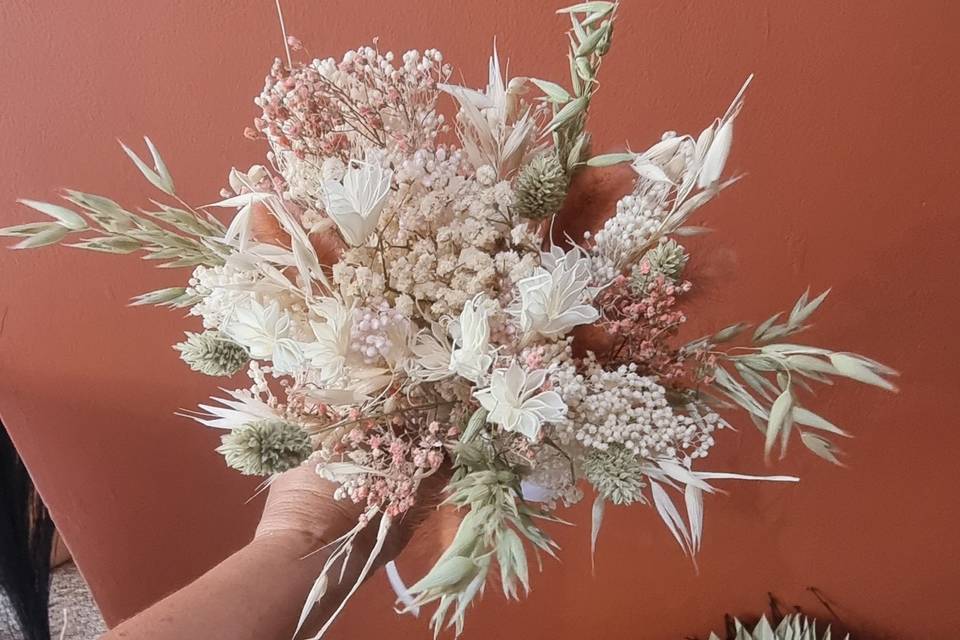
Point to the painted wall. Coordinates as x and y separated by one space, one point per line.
849 140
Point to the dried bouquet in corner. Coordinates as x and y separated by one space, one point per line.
401 305
791 626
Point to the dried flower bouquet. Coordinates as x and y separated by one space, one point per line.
402 304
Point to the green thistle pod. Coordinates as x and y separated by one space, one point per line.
616 474
265 447
541 187
667 259
212 354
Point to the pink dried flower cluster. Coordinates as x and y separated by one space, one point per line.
299 114
643 325
398 456
321 109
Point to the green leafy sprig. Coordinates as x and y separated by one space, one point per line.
179 237
590 39
493 531
766 377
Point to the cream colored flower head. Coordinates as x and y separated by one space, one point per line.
514 400
328 352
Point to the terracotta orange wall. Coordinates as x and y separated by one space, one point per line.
849 139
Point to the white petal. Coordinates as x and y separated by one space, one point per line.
528 424
514 379
244 199
486 399
549 406
716 156
650 171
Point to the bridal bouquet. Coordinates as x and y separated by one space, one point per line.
395 288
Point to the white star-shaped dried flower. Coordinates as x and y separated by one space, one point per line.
470 357
328 353
265 332
243 407
355 203
431 355
556 297
515 402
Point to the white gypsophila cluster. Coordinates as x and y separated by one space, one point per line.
221 289
447 231
623 407
427 167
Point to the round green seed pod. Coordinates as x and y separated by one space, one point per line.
266 447
541 187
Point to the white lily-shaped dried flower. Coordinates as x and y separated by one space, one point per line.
431 355
355 203
471 355
328 353
241 227
245 186
254 198
514 400
265 332
556 298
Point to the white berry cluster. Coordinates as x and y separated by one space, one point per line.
626 408
375 333
622 237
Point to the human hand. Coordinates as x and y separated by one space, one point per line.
301 510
